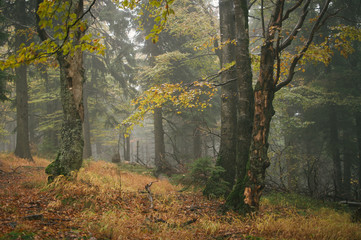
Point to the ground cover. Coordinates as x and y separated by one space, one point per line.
105 201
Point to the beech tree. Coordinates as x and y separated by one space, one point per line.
269 82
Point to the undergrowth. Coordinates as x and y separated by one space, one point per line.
112 203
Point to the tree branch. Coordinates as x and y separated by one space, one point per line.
305 47
290 10
297 28
44 35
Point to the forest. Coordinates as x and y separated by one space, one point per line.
180 119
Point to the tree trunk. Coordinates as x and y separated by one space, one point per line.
22 149
245 90
71 90
245 104
347 160
127 148
358 132
87 151
335 152
227 152
197 143
159 158
51 139
263 112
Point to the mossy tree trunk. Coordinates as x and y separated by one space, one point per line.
70 155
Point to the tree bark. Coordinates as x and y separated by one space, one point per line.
127 148
71 90
51 139
159 150
197 143
245 91
245 104
347 159
335 152
228 146
22 149
87 151
358 132
263 97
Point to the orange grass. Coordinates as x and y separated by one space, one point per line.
112 203
9 162
131 218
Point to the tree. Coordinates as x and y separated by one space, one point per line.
71 87
228 146
3 38
22 149
274 43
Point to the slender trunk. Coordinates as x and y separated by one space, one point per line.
87 151
159 158
335 152
32 124
137 154
22 149
71 90
347 161
50 135
197 144
127 148
358 132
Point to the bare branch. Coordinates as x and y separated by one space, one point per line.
297 58
297 28
251 4
147 188
290 10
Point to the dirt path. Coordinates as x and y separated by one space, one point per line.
25 211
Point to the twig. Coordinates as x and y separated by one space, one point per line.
147 188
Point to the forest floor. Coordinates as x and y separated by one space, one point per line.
104 201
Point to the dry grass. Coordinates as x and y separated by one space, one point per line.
112 204
14 165
321 224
